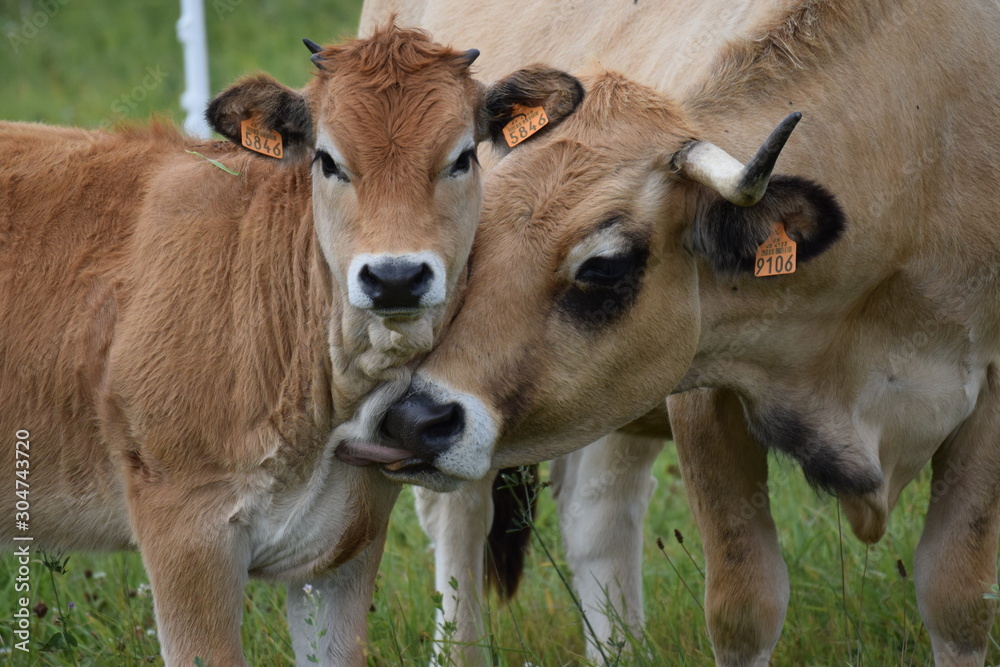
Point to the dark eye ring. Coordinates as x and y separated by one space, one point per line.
605 271
464 162
330 167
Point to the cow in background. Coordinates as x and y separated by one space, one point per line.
877 355
478 532
186 323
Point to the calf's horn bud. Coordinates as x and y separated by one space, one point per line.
315 49
469 57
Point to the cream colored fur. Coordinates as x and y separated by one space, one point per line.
886 344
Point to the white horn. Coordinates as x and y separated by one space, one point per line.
713 167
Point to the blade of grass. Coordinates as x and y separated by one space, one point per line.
659 544
214 162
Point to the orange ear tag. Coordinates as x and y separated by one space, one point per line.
526 121
776 255
260 140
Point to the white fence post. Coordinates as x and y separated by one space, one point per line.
191 33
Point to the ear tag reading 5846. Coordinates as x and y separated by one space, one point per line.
526 121
260 140
776 255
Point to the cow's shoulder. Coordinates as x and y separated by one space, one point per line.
220 342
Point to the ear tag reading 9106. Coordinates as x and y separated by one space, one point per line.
776 255
526 121
260 140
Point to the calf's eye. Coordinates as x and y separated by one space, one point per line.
330 167
464 162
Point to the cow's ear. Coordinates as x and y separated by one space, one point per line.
271 108
555 91
729 235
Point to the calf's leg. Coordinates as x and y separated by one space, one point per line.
603 492
457 524
337 602
725 477
197 561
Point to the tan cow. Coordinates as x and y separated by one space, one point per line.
184 324
635 236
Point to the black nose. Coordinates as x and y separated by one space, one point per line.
395 284
423 426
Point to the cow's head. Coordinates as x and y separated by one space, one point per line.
582 310
388 128
387 132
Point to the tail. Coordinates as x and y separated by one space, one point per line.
515 491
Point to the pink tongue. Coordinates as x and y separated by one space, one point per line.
365 453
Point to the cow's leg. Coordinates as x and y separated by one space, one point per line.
956 559
725 477
338 603
457 524
197 561
603 491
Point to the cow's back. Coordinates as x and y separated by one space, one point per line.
68 205
660 44
898 102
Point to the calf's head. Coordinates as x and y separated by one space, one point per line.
388 128
582 310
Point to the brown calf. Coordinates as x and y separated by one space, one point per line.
178 341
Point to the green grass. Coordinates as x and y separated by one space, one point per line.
113 621
90 64
95 62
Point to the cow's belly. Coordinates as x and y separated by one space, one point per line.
65 522
70 490
908 414
867 431
306 530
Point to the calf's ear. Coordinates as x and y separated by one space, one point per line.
555 91
272 109
729 235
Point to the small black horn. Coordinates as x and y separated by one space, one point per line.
312 46
470 56
757 173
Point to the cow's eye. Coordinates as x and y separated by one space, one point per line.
464 162
330 167
605 287
606 271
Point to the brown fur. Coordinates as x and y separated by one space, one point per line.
178 342
392 57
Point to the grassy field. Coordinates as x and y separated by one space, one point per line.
91 64
111 614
